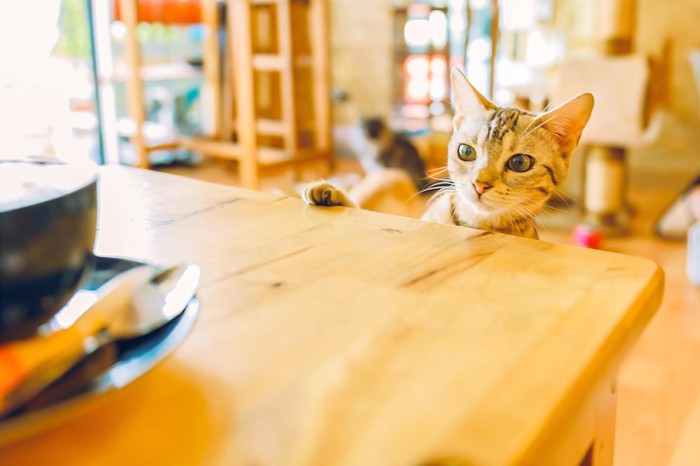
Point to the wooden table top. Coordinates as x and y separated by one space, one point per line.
332 336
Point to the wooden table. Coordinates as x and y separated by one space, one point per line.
344 337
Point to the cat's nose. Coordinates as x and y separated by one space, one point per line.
480 187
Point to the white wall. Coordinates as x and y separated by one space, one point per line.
361 57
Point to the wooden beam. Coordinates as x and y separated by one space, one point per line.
163 146
268 62
285 40
239 32
318 25
213 147
495 36
212 95
134 84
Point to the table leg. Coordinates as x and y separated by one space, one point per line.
604 441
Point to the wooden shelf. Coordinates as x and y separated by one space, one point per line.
216 147
272 127
277 157
268 62
158 72
272 62
266 156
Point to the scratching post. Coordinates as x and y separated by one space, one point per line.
605 187
619 82
605 174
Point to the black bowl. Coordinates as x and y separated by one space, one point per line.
48 218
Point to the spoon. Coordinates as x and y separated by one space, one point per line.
130 305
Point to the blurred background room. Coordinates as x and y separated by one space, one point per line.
268 94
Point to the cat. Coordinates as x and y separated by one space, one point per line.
503 163
378 147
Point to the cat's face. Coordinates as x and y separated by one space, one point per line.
507 162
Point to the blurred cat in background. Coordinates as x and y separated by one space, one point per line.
394 174
503 163
378 147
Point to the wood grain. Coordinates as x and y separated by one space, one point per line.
339 336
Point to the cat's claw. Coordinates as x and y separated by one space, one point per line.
325 194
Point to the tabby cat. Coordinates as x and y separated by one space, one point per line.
503 163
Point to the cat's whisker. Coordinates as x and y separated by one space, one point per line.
513 222
438 194
438 185
436 170
523 213
563 196
529 131
546 108
442 180
550 209
522 200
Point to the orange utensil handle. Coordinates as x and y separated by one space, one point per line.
28 366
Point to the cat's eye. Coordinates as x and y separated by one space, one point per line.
466 152
520 163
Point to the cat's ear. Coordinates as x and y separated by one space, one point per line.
467 100
566 122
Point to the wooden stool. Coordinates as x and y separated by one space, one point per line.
277 61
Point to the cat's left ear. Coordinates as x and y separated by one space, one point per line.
566 122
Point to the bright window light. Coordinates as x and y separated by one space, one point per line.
416 32
438 28
479 50
478 4
457 24
438 66
519 15
417 79
542 50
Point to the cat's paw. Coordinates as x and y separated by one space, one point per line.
325 194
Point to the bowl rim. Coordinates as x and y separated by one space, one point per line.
88 177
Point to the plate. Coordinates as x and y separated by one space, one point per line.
110 368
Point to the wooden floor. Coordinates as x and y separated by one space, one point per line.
659 385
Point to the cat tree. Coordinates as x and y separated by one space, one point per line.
623 117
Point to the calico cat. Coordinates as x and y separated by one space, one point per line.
380 147
503 163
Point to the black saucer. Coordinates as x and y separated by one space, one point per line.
111 367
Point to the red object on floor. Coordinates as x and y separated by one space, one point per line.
587 236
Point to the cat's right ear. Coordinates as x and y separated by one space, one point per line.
467 100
